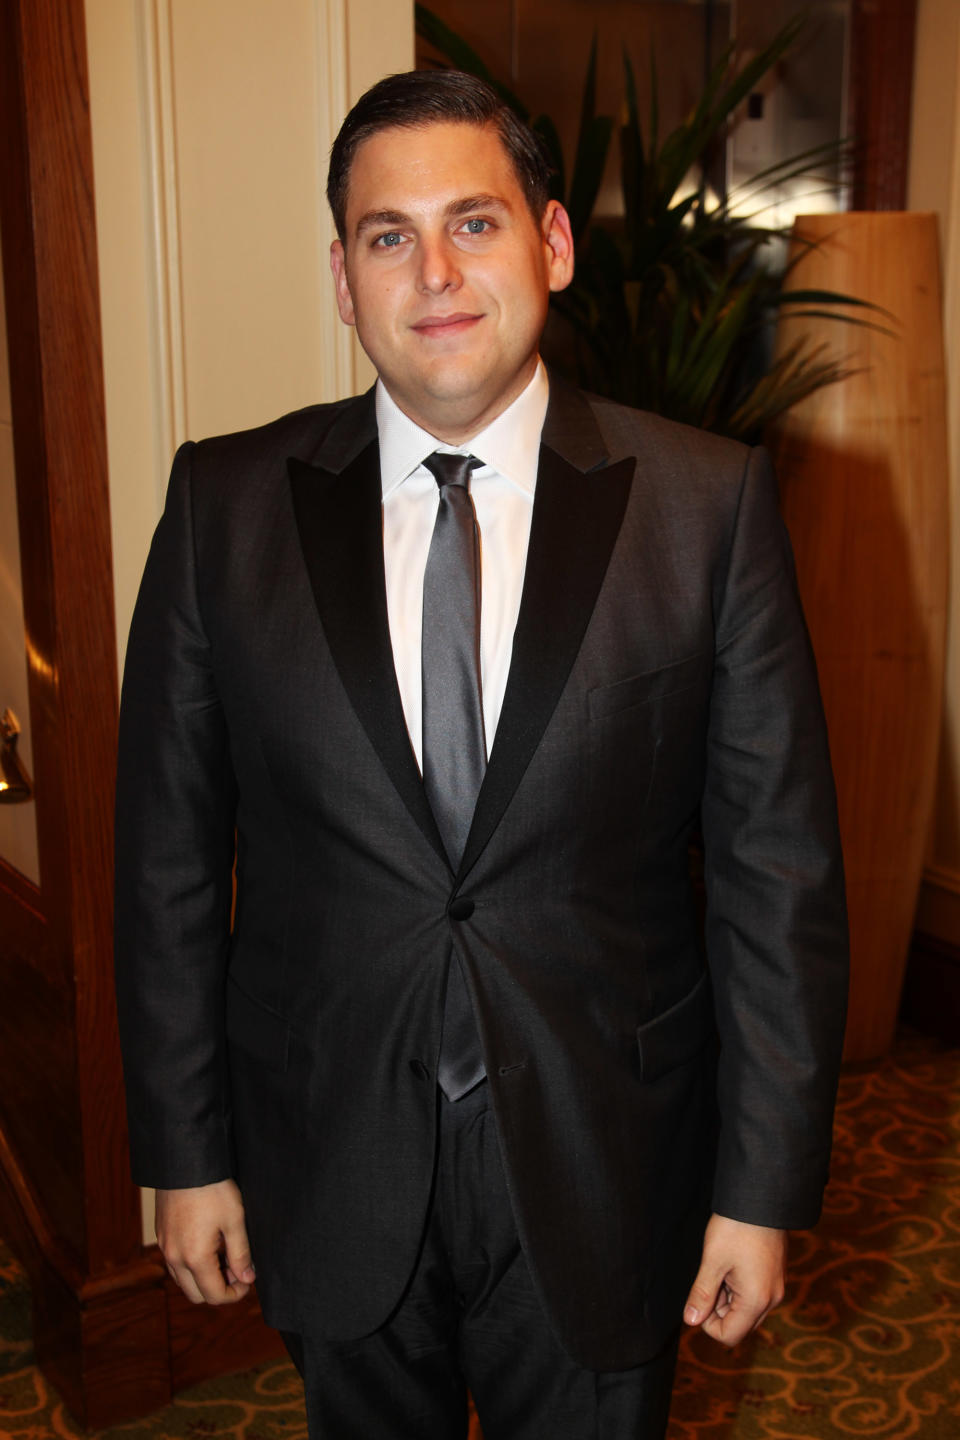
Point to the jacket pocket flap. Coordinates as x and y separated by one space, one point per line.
647 687
679 1033
259 1031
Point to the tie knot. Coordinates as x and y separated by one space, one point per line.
451 469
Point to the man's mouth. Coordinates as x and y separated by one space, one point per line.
439 327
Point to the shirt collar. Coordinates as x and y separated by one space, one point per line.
510 444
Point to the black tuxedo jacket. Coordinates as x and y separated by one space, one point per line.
661 679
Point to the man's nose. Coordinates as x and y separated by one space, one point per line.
439 266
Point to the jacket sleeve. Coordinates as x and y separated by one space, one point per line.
776 927
175 816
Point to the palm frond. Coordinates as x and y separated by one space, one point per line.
671 309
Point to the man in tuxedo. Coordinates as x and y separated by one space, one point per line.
453 671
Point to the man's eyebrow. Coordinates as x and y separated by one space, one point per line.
374 218
476 202
465 205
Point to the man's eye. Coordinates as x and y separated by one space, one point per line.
390 240
476 226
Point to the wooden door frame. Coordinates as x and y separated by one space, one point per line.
110 1330
881 95
68 1202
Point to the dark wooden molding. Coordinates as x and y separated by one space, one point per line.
19 888
881 90
931 990
110 1331
102 1343
206 1340
56 384
120 1345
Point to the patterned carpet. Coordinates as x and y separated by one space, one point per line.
867 1343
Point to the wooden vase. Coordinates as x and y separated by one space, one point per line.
863 477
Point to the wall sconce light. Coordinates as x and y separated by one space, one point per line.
15 783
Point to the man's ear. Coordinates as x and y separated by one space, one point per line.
338 265
558 242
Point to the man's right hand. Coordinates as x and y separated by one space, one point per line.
203 1238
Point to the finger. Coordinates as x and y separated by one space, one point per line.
235 1290
704 1294
728 1331
238 1260
209 1279
733 1326
204 1283
735 1317
186 1282
237 1286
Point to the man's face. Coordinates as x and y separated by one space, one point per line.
445 272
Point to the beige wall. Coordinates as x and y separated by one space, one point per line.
211 121
935 185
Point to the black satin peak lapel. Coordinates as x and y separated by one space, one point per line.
570 429
339 520
575 524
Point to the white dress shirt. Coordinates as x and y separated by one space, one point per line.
502 490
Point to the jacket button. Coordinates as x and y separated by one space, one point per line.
419 1069
461 908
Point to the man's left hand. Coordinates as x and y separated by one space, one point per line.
740 1280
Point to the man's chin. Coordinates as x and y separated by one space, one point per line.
463 392
446 403
450 398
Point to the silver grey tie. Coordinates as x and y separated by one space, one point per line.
454 752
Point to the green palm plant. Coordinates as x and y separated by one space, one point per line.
670 309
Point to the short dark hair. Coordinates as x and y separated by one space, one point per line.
418 98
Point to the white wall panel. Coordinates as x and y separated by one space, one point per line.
212 121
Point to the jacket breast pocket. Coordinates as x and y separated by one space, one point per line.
650 686
259 1032
678 1034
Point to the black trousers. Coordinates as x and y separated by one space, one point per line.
471 1319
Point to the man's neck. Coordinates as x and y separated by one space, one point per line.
510 442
